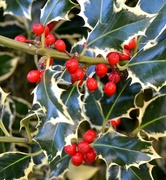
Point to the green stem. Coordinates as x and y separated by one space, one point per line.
31 49
15 140
4 129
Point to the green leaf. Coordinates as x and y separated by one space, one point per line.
123 23
55 10
154 124
8 65
151 6
143 172
19 8
15 165
124 151
147 67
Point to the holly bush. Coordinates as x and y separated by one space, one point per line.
39 120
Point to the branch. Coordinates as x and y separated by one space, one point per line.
15 140
32 49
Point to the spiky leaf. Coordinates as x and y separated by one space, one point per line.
124 151
15 165
19 8
55 10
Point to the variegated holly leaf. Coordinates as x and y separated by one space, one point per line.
19 8
62 109
123 23
124 151
154 124
147 67
15 165
143 172
151 6
55 10
11 29
103 109
8 65
158 24
59 165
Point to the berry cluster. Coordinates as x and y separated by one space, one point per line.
82 152
76 72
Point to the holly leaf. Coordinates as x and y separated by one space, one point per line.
15 165
151 7
19 8
143 172
55 10
8 65
123 23
145 66
154 124
124 151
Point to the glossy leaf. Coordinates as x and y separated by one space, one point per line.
15 165
153 123
8 65
55 10
148 66
124 151
143 172
19 8
151 6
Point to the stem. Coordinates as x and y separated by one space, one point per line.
31 49
4 129
15 140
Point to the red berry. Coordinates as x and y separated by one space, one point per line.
70 149
51 61
60 45
33 76
113 58
50 39
20 38
124 56
83 147
90 156
91 84
38 29
47 30
77 159
78 76
89 136
109 88
114 76
115 122
131 45
101 69
72 66
51 25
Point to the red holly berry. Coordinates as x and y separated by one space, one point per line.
83 147
101 69
47 30
70 149
72 65
38 29
60 45
51 25
90 156
115 122
33 76
77 159
51 61
91 84
114 76
20 38
109 88
124 56
78 76
131 45
113 58
89 136
50 39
